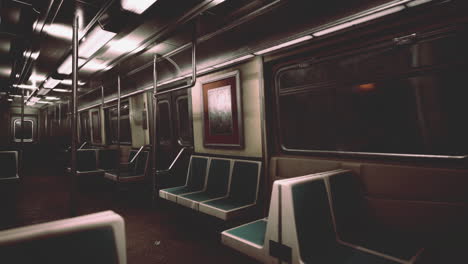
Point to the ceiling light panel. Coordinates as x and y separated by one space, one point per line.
95 40
137 7
51 83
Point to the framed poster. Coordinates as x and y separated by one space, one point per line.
222 111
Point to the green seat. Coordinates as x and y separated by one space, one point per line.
242 191
316 235
195 179
216 186
253 232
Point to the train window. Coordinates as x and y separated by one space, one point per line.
164 125
96 126
26 134
84 127
183 123
385 100
111 124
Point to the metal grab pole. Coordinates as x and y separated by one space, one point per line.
118 123
154 137
74 181
22 130
193 81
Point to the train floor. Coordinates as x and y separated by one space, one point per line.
165 233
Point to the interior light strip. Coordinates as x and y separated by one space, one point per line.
243 58
285 44
360 20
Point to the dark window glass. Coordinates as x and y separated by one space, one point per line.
112 124
27 133
84 127
96 122
164 126
380 104
183 120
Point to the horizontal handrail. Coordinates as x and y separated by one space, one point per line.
174 161
82 145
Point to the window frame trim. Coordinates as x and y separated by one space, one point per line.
309 61
15 139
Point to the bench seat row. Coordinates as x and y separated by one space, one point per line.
302 227
104 162
219 187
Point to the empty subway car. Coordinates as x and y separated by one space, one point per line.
222 131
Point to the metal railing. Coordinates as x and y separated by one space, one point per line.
181 151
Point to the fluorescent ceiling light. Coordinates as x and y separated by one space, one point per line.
69 82
34 99
94 65
360 20
95 40
285 44
43 91
137 7
30 103
25 86
124 45
43 102
15 95
246 57
67 68
417 2
61 31
51 83
10 100
62 90
53 98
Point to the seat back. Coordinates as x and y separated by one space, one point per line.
108 159
141 163
197 172
131 155
307 221
218 176
244 181
86 160
94 238
8 164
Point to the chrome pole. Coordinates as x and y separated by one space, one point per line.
118 123
153 135
74 179
22 130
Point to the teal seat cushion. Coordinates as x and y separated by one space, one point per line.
227 203
253 232
201 196
177 190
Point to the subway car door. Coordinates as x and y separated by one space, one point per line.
174 128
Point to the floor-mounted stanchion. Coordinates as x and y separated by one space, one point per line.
74 180
118 124
154 144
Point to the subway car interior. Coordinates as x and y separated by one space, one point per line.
234 131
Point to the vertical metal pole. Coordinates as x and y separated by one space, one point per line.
74 179
22 131
153 135
102 96
118 122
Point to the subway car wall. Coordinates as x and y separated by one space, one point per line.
279 131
